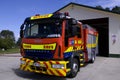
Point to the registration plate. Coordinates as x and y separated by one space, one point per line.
36 64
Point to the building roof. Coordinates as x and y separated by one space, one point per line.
72 3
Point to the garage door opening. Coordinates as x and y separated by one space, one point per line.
102 26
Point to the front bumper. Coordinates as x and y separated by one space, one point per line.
57 68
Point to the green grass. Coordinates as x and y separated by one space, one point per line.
9 51
114 55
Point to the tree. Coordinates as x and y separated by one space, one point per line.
7 39
7 34
99 7
4 44
116 9
18 42
107 9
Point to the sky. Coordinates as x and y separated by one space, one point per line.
13 12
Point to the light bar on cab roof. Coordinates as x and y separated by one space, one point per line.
41 16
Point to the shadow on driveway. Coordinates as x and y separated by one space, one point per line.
35 76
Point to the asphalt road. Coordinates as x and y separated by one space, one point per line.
102 69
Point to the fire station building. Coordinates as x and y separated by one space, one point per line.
107 23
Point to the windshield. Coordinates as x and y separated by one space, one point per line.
43 29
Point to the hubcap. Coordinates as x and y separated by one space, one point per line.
93 57
75 67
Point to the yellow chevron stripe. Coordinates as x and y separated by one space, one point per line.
48 64
50 70
68 70
21 67
30 70
55 72
70 49
63 72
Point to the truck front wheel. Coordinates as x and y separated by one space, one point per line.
92 58
74 68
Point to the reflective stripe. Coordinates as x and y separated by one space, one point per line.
81 59
81 54
81 64
71 48
41 46
91 45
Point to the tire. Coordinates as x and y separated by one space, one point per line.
74 68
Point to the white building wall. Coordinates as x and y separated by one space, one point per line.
83 13
114 29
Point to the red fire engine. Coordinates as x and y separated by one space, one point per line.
56 44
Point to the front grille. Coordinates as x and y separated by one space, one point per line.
41 54
38 68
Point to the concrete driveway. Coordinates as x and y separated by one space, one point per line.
103 69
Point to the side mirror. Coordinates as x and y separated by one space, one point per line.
22 26
21 31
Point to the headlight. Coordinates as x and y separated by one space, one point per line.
60 66
22 62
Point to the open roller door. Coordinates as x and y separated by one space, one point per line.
102 26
